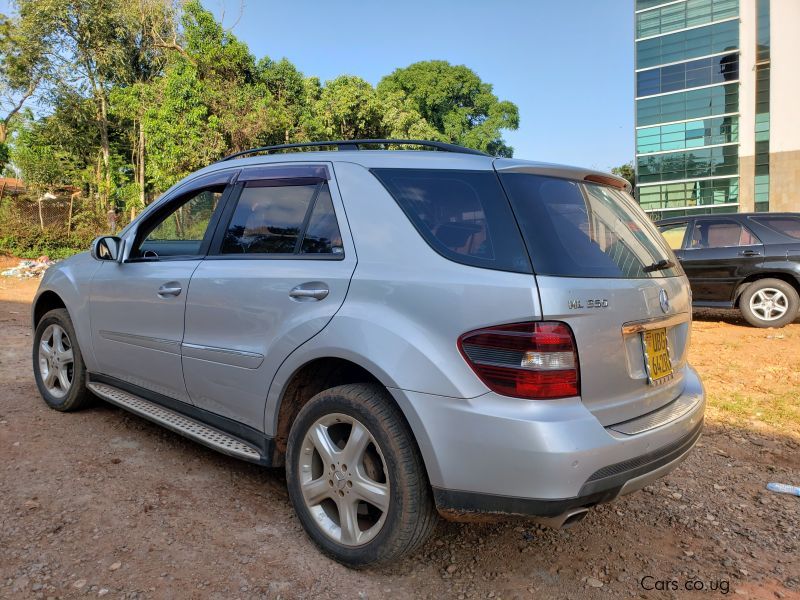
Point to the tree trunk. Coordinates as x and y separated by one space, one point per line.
141 165
69 218
105 147
41 218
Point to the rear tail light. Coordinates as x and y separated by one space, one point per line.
534 360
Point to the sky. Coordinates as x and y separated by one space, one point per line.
567 64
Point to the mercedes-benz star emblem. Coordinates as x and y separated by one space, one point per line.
663 300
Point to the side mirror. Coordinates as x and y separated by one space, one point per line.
106 247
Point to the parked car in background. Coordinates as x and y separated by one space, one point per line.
749 261
404 331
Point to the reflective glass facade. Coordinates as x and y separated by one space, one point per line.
685 45
688 134
691 74
681 15
704 162
687 105
706 193
718 100
761 191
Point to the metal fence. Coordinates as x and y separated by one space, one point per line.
59 215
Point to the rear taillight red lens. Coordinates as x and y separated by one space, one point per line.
534 360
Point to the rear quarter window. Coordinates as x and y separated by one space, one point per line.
463 215
576 229
788 226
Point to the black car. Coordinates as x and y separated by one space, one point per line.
749 261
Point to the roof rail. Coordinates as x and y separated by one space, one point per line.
354 145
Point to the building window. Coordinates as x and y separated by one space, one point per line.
694 104
706 193
684 45
684 14
703 162
761 180
695 73
689 134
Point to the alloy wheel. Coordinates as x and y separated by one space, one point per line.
344 479
769 304
56 361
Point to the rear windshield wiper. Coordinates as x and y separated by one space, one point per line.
659 266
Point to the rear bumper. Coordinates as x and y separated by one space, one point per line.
499 455
628 479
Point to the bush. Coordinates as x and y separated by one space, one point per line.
21 237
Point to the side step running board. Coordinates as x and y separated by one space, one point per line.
177 422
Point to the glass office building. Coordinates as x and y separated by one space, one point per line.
704 123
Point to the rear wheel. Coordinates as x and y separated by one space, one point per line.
769 303
58 364
355 476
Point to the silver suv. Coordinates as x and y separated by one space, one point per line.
407 332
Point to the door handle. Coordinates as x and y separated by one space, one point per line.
315 290
172 288
749 253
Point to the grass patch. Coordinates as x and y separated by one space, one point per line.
779 411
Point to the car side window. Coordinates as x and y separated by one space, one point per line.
789 226
721 234
674 234
283 217
181 230
322 234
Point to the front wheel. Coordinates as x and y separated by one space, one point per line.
58 363
769 303
356 478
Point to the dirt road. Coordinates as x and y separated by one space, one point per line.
102 503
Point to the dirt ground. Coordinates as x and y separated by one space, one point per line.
102 503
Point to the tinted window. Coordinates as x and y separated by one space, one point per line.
463 215
585 230
721 234
180 231
786 225
268 220
674 234
322 234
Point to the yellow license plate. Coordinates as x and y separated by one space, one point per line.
656 353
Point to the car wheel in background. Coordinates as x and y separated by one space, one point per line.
769 303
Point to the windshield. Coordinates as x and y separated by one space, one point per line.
576 229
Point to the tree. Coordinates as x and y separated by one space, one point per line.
626 171
455 102
23 65
348 108
43 162
83 41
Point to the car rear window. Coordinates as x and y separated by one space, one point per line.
789 226
576 229
463 215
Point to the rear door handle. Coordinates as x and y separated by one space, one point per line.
173 288
749 253
313 290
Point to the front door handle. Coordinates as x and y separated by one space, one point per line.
173 288
749 253
313 290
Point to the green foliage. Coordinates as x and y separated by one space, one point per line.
43 163
19 236
456 103
134 96
626 171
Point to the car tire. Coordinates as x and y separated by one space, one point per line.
769 303
358 424
58 366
